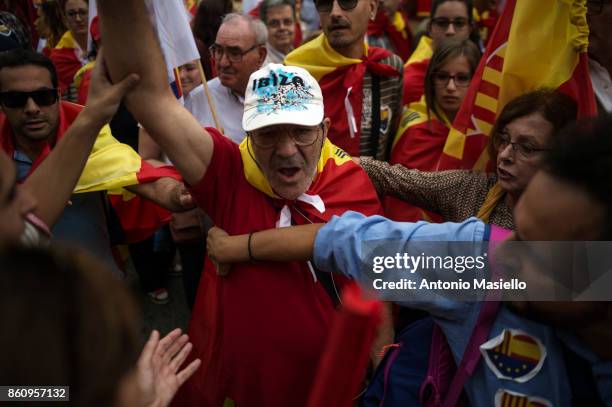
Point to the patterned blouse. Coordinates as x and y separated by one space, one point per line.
455 194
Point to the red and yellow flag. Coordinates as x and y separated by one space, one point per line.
535 44
65 57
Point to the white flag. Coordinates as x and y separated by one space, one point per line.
171 21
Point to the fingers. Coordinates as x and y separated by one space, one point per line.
223 269
186 200
149 348
174 348
186 373
166 343
126 84
178 360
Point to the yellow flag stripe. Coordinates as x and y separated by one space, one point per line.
491 75
486 102
455 144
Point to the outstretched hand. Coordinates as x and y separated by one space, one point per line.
158 367
104 97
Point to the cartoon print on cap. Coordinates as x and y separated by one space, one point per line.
281 91
514 355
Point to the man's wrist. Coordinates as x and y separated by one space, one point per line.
90 117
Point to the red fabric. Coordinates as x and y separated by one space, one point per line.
423 8
334 87
414 81
260 331
67 64
419 147
347 351
139 217
580 88
383 26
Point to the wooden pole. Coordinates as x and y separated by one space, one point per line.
211 104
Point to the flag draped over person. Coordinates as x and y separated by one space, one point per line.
110 167
535 44
335 174
341 81
415 70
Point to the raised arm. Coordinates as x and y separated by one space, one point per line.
53 181
131 46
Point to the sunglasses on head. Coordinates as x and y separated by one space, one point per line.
325 6
16 99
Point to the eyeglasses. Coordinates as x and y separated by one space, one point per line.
442 23
15 99
73 14
325 6
525 150
441 79
301 136
596 6
233 54
277 23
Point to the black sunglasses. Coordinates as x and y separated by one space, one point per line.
325 6
16 99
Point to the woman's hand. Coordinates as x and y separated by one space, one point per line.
158 367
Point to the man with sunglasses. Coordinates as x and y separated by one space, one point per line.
362 86
34 121
28 209
261 330
238 51
599 17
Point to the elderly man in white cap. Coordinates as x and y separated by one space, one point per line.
261 329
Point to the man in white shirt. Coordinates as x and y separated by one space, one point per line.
279 17
239 50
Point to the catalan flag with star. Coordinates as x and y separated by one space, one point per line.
535 44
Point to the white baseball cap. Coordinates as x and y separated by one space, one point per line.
279 94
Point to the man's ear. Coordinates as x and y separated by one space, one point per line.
326 125
373 9
263 53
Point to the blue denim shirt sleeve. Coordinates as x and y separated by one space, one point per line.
339 245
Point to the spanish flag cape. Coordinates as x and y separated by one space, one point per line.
341 81
418 144
110 167
554 56
415 70
66 60
338 186
396 29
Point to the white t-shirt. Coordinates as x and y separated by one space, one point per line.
228 105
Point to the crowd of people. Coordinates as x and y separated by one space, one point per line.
306 131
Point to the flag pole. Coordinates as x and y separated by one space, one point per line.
209 97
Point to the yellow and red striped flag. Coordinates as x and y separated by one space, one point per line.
535 44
